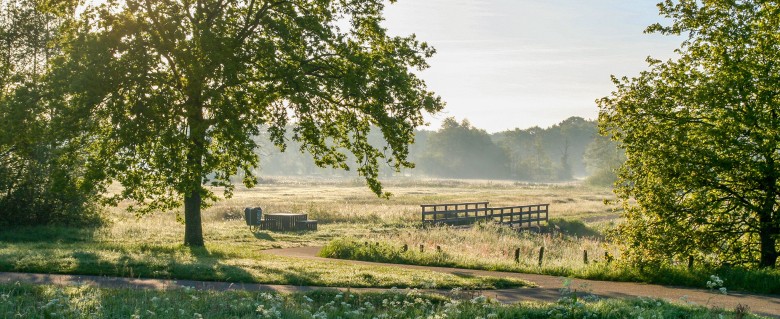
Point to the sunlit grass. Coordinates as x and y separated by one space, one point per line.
493 247
351 202
24 301
215 263
150 246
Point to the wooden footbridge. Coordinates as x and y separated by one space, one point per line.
470 213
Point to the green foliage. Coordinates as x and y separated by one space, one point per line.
460 150
41 180
701 137
177 90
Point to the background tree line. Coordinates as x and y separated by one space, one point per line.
565 151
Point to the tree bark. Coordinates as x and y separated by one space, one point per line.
193 228
767 234
767 218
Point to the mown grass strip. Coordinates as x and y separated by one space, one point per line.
217 263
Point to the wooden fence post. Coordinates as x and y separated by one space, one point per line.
422 248
406 247
517 255
690 262
541 256
585 256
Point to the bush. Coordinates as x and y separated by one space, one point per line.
41 189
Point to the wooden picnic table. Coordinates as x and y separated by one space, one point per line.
284 221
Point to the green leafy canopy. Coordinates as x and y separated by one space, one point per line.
176 90
702 137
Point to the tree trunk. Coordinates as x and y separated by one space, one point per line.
767 217
193 228
767 232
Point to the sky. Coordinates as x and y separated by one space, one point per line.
506 64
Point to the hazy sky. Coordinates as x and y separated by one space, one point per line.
520 63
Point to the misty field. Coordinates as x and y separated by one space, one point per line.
150 246
345 207
349 216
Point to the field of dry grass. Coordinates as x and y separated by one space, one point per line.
345 207
150 245
333 200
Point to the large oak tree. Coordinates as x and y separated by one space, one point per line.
175 90
702 137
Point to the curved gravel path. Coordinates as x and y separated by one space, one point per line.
548 286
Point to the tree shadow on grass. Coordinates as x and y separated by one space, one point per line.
300 277
207 265
264 236
463 275
49 234
571 228
162 263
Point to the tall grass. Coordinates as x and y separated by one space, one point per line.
24 301
484 246
493 247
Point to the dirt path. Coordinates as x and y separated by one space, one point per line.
548 290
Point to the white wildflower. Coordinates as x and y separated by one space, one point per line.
479 299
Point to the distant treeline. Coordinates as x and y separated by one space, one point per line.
565 151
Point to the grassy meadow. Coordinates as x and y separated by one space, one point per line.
350 215
150 246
